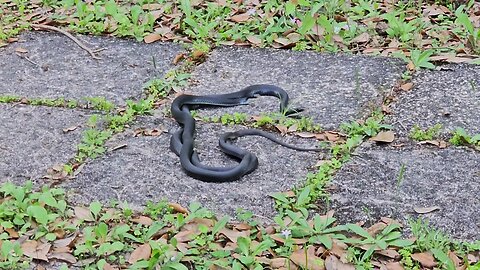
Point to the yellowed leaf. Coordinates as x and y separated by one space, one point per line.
142 252
384 136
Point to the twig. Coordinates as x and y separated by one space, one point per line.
26 58
80 44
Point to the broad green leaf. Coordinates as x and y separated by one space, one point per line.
443 258
220 224
304 196
95 208
401 243
280 197
307 23
39 213
243 244
358 230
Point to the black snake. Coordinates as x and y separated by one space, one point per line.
181 142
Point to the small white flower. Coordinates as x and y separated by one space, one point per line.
286 233
173 258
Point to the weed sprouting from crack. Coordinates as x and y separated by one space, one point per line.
418 134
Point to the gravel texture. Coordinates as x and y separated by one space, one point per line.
62 69
332 88
32 140
147 170
372 185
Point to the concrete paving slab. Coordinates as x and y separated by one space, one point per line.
65 70
450 96
32 140
333 88
146 170
370 186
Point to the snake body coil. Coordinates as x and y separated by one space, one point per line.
181 142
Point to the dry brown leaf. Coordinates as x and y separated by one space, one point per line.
394 266
384 136
240 17
283 129
362 38
152 38
472 259
142 252
333 263
185 236
425 259
83 213
65 130
305 134
425 210
12 233
198 54
456 261
283 41
234 235
390 253
63 256
242 226
21 50
332 136
178 58
108 266
294 37
152 6
143 220
36 250
376 228
338 249
254 40
281 239
407 86
307 260
411 66
292 128
65 242
178 208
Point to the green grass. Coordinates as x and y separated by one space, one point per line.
418 134
160 236
110 236
302 25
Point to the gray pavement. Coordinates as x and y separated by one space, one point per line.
332 88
